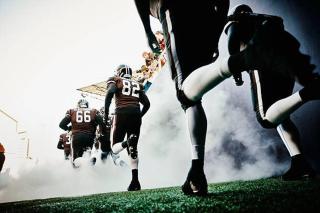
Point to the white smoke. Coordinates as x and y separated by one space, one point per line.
164 152
57 178
236 147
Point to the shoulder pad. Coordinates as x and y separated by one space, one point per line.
112 80
68 113
227 26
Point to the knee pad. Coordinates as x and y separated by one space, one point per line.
265 123
184 101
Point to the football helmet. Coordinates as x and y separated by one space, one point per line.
242 8
124 71
83 103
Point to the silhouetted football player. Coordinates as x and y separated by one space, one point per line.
128 95
273 83
104 139
83 127
191 31
258 43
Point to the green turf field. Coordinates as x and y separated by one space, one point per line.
267 195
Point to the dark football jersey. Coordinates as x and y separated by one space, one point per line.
1 148
83 120
127 94
65 141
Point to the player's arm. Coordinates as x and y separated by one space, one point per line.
102 126
111 90
143 7
65 121
144 100
60 143
233 38
234 42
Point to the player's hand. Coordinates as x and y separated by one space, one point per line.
153 44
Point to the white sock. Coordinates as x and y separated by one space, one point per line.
205 78
280 110
197 152
134 162
289 139
117 148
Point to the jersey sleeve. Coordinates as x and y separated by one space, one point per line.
111 80
68 113
117 81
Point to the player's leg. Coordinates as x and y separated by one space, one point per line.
90 146
289 61
274 102
196 182
76 149
67 154
105 146
133 132
272 99
268 89
195 115
191 44
118 133
299 168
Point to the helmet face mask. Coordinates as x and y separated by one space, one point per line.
124 71
83 103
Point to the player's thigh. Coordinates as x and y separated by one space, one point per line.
105 142
81 142
268 87
191 37
134 125
118 130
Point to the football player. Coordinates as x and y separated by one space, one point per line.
64 143
104 139
274 82
2 156
191 31
259 42
128 95
84 122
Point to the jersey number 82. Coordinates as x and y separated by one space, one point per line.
130 88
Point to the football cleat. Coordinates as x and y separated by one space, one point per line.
93 161
195 184
299 170
114 157
104 156
122 163
134 186
132 146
